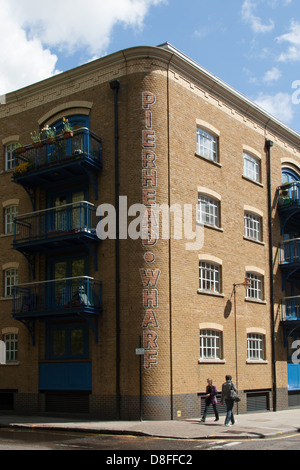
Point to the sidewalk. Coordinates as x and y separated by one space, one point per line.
253 425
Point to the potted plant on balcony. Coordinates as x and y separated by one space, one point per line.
36 138
19 148
284 196
50 134
67 131
21 168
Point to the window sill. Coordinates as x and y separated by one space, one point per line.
258 242
9 170
256 361
211 361
213 227
208 160
255 301
12 363
207 292
252 181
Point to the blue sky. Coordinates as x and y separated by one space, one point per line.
253 45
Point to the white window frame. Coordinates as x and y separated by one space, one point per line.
255 347
252 226
209 277
208 210
11 346
255 291
10 213
9 156
10 280
210 344
207 144
251 167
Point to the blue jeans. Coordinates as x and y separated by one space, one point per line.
229 415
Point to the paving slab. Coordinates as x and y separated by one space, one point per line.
253 425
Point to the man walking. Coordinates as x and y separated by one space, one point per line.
226 396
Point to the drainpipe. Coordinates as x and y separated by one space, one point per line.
115 85
269 144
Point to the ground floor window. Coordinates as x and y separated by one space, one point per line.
255 346
68 341
11 346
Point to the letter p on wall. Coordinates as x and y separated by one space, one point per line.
148 99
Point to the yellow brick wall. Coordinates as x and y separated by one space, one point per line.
180 102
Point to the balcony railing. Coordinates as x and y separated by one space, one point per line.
82 142
57 297
289 195
290 251
69 220
290 307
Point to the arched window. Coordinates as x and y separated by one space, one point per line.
75 121
289 176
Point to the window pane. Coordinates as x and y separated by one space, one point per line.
208 210
255 348
252 225
255 291
210 344
59 339
251 167
206 145
11 345
77 342
10 213
11 280
9 156
209 277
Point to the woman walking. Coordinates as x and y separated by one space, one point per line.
210 398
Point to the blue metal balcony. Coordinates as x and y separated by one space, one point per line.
290 308
67 224
57 297
290 253
290 316
48 164
289 207
61 298
289 260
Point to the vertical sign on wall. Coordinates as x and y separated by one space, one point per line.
150 275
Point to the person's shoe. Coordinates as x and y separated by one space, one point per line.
217 419
202 420
229 424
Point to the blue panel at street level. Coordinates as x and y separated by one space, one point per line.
66 376
293 376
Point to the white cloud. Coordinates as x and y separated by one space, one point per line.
272 75
22 60
293 39
255 22
76 23
30 29
279 105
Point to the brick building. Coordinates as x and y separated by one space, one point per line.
149 126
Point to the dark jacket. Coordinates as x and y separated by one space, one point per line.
213 392
226 389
